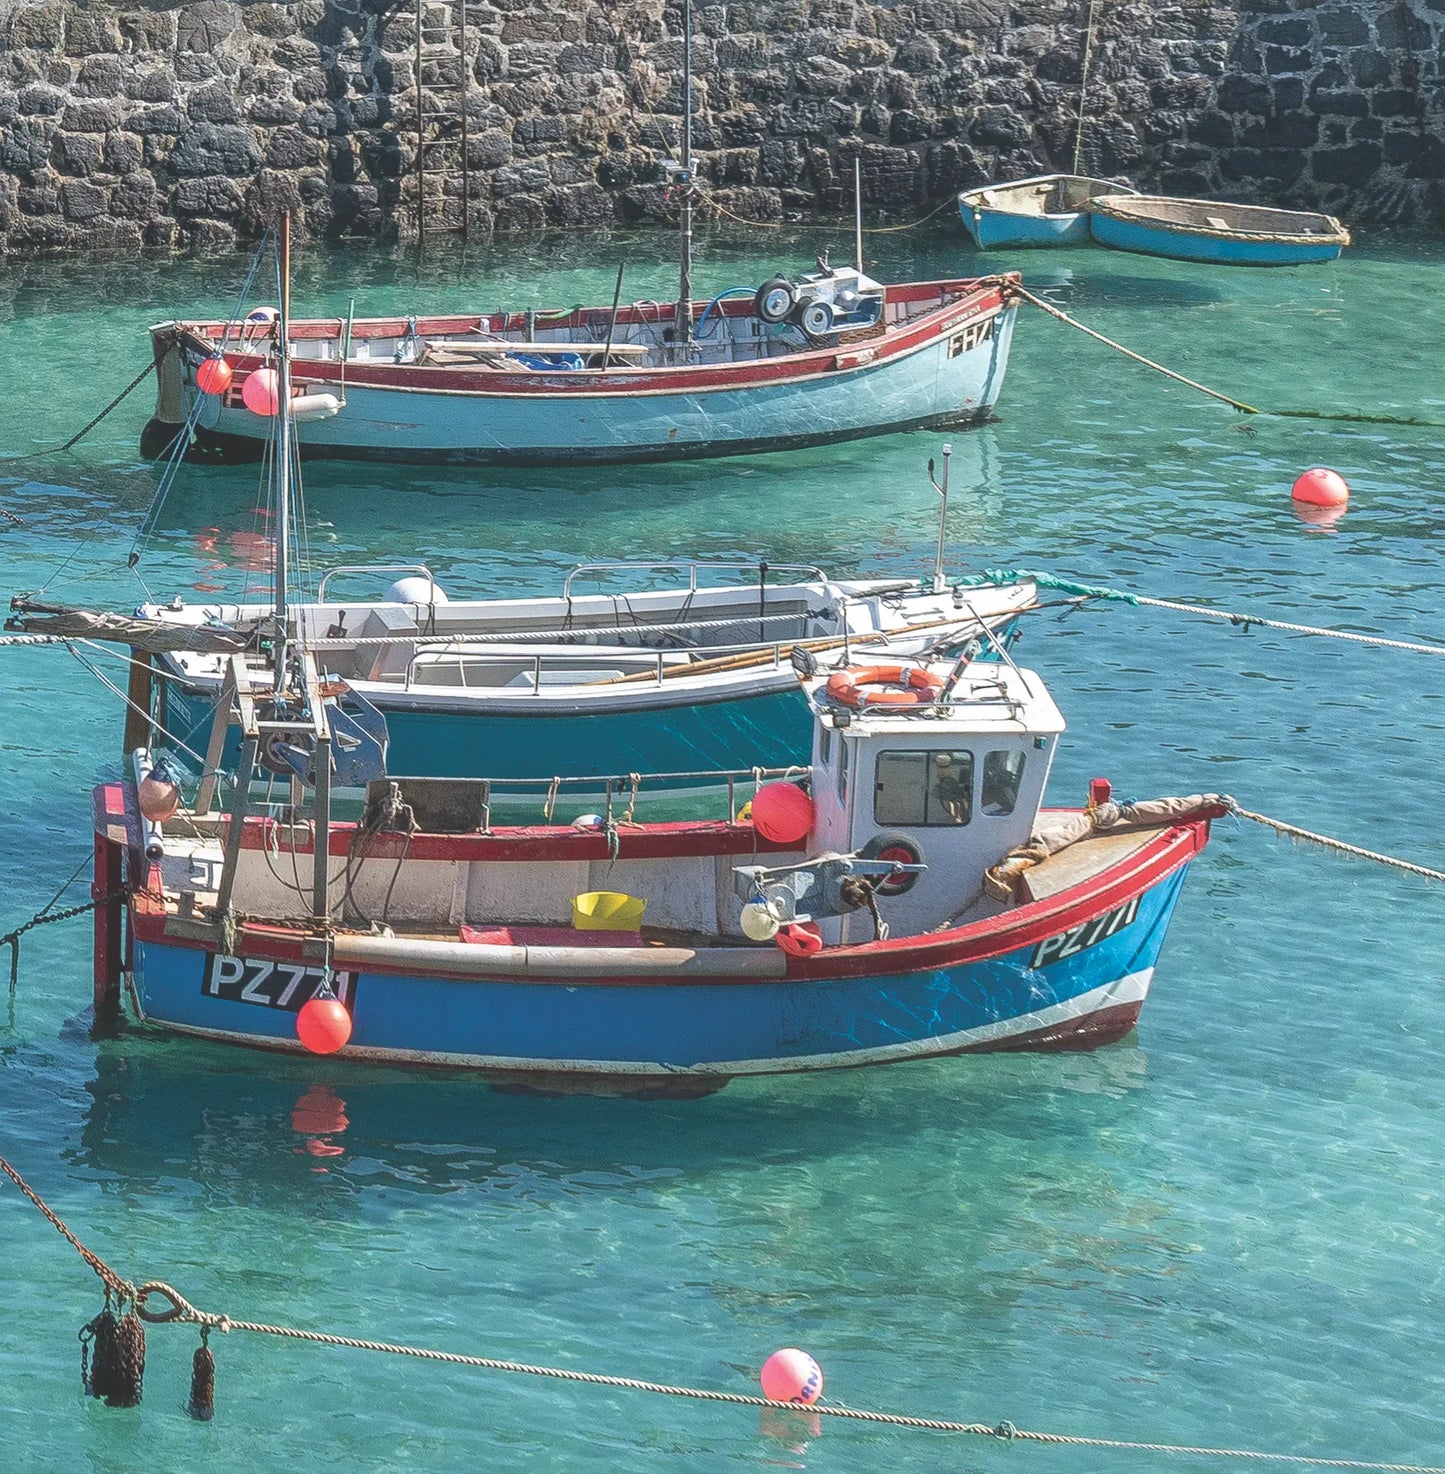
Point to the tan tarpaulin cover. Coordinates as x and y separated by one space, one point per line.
1058 831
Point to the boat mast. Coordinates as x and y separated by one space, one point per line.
283 452
682 324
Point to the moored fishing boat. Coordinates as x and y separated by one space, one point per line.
1046 210
916 904
833 357
1213 231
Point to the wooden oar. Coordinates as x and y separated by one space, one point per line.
747 658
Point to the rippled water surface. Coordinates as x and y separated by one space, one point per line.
1226 1230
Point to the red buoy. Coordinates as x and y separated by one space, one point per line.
1321 487
782 812
261 393
213 376
791 1375
323 1025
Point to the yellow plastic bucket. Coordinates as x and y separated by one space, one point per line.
607 911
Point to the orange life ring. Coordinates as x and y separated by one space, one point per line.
919 687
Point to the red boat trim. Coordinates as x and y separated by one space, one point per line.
1027 925
983 298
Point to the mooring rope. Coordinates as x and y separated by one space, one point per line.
180 1311
1241 621
1310 837
722 209
1084 85
1074 322
1349 416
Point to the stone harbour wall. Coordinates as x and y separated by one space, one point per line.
146 123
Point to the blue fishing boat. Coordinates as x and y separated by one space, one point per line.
1047 210
908 900
1208 230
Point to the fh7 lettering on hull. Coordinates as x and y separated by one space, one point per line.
271 984
1087 934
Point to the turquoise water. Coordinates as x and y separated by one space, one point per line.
1225 1230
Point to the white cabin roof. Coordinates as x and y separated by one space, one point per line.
990 698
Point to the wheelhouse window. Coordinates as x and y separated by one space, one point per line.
923 788
1003 772
844 752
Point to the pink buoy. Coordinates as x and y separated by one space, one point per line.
261 393
782 812
1321 487
323 1025
158 799
791 1375
213 376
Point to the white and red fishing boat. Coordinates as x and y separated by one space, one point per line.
833 357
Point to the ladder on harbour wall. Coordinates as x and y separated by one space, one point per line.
442 167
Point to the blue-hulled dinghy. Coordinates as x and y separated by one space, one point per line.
1209 230
1047 210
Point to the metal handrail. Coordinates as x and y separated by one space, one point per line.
377 568
693 566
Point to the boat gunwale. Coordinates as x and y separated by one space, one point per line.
970 198
1161 851
981 298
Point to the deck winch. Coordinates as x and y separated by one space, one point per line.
815 888
833 299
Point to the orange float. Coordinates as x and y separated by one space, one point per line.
917 687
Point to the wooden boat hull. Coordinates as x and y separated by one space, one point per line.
1119 227
944 367
1070 971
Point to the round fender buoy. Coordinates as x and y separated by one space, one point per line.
902 851
791 1375
213 376
1321 487
158 797
782 812
263 314
588 821
261 393
323 1025
416 590
759 921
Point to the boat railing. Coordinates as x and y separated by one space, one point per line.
356 568
618 792
692 567
764 656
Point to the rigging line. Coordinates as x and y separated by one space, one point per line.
1084 85
1244 621
166 738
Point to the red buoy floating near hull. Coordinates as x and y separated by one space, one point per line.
213 376
323 1025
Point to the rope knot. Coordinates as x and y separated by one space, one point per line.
1005 1431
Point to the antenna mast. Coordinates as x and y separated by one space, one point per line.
283 451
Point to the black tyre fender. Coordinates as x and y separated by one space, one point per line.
900 848
776 299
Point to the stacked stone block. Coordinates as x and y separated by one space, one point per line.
134 123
